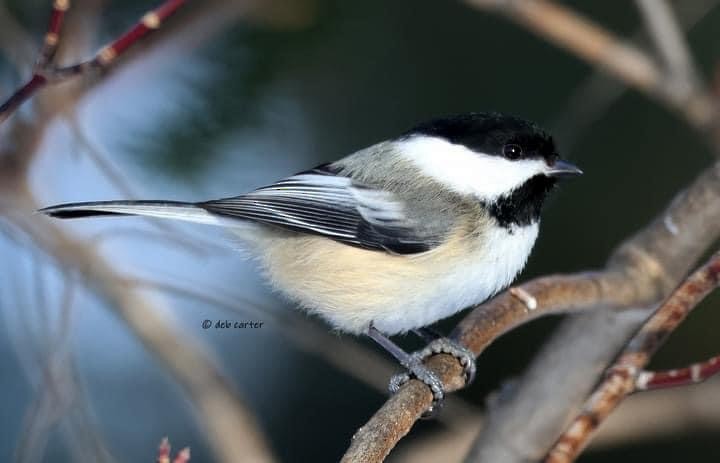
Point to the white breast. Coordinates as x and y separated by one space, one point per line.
471 280
352 287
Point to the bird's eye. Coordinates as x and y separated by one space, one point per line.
512 151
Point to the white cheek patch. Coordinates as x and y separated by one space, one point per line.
466 171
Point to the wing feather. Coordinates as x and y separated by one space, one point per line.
323 203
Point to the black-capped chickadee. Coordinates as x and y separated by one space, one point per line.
395 236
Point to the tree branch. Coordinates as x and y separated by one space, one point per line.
52 36
666 33
163 455
45 73
599 91
642 417
231 429
695 373
643 270
622 376
596 45
526 427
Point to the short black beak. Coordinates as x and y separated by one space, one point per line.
562 168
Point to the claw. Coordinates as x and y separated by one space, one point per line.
417 369
447 346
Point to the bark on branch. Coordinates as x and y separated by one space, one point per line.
622 377
592 43
642 271
231 429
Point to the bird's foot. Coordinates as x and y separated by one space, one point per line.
417 369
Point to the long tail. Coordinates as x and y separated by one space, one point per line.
163 209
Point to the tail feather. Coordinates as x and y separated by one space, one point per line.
162 209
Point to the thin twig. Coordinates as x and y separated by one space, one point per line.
231 428
693 374
150 22
643 270
642 417
45 73
622 376
344 354
55 388
163 456
669 40
524 428
662 415
52 36
598 92
115 176
569 30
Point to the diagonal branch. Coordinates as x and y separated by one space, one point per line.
667 34
344 354
524 428
599 91
643 270
598 46
149 23
623 375
231 429
641 418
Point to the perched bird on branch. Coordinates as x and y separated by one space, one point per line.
395 236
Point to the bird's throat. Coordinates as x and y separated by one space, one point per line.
522 206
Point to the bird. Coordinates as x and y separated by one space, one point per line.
395 236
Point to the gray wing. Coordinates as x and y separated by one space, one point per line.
320 202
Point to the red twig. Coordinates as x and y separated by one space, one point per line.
623 375
46 73
150 22
52 36
693 374
35 83
183 456
164 451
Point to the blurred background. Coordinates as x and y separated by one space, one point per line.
234 95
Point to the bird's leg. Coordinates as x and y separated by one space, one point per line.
388 344
415 366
